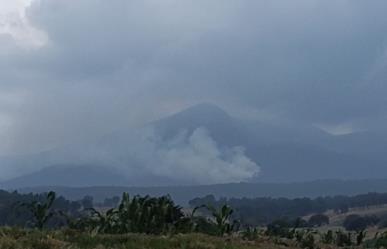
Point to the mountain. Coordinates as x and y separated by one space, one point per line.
62 175
202 145
284 152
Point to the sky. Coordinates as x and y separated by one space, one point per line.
73 70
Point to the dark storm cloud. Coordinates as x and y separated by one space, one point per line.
109 64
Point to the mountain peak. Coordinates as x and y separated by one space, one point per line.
204 115
206 110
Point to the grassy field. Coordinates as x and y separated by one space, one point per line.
11 238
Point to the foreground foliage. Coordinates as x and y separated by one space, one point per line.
41 211
28 209
146 215
156 222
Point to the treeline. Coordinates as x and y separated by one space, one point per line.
262 211
13 212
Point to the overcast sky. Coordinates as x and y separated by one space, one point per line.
73 70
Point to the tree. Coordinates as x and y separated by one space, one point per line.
222 218
41 211
103 222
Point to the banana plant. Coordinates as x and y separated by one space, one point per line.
134 215
100 222
196 209
147 215
222 218
41 211
193 220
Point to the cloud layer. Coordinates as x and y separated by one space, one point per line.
105 65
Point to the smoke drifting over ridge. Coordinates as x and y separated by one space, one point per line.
194 159
185 158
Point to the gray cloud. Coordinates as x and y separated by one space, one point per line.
114 64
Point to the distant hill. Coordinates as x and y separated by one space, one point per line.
284 152
183 194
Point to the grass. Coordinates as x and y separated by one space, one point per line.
13 238
16 238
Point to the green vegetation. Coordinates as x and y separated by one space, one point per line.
11 238
222 219
145 215
26 210
17 238
41 211
138 215
157 222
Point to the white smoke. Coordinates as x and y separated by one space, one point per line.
193 159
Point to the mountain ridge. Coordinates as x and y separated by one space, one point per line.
284 153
